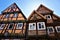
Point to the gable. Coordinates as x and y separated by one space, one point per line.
43 9
35 16
12 8
55 17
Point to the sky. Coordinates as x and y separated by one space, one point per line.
27 6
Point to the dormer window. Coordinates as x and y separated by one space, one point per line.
19 26
50 30
32 26
48 16
2 26
57 28
15 15
41 25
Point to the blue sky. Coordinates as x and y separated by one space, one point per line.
27 6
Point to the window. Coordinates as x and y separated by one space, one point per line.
40 25
15 15
50 29
57 28
2 26
10 26
7 15
32 26
19 26
48 17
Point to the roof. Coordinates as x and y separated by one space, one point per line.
37 14
42 6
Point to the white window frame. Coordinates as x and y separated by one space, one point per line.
57 29
49 31
18 27
42 23
33 26
47 16
1 26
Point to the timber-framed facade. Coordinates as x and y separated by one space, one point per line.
42 24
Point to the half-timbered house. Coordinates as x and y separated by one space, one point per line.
42 24
12 23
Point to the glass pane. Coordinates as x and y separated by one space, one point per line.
2 26
32 26
15 15
19 26
10 26
50 30
42 26
58 29
48 16
7 15
39 26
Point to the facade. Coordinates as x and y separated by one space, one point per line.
42 24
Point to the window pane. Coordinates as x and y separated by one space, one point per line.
7 15
15 15
48 17
32 26
10 26
40 25
2 26
50 29
19 26
58 29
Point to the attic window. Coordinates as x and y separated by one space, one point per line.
32 26
10 26
19 26
40 25
2 26
48 17
57 28
7 15
15 15
50 29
